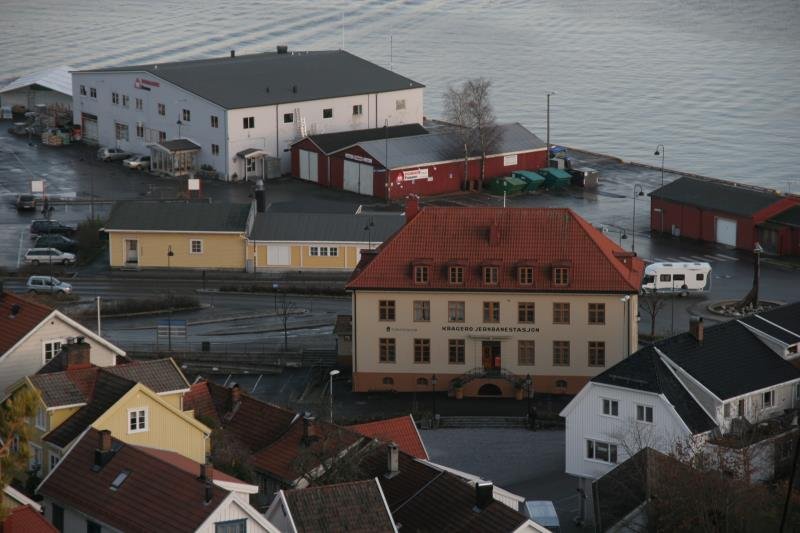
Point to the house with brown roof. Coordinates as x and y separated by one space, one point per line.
106 484
32 334
356 507
401 430
491 301
141 402
26 519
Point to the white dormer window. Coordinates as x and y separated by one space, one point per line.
768 399
137 420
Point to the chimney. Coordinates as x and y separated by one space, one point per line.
236 393
103 453
233 53
484 494
261 197
282 49
77 354
393 461
696 328
206 472
209 493
308 429
412 207
494 234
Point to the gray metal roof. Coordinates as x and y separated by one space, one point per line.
179 145
445 146
178 216
270 78
719 195
333 142
324 227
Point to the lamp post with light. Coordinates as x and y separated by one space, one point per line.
332 373
660 150
638 190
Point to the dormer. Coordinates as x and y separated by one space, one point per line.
526 273
421 271
490 273
780 340
456 271
561 274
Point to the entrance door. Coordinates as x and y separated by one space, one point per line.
309 169
131 251
726 231
491 355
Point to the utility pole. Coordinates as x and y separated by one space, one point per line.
99 330
549 94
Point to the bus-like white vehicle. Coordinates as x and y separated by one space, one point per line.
678 278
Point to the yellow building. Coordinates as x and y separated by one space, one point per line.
140 402
198 235
316 241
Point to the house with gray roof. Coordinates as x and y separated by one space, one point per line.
239 114
731 391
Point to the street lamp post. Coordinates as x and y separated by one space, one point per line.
170 253
660 150
637 191
433 383
549 94
626 300
332 373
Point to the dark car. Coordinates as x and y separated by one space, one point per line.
47 227
57 241
26 202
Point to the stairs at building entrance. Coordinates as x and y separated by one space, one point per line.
483 422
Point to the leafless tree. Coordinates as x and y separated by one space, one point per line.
652 302
331 455
285 308
230 455
469 109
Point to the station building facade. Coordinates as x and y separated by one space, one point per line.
238 114
483 298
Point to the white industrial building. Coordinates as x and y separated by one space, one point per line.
237 113
47 87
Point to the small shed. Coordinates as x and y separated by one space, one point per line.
533 181
555 177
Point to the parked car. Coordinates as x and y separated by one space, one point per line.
138 162
47 284
681 278
26 202
65 244
37 256
112 154
45 227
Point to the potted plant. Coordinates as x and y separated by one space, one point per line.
458 389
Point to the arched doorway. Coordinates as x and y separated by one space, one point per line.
489 389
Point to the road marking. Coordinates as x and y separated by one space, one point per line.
257 382
727 257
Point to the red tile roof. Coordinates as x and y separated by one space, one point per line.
25 519
13 327
537 237
187 465
155 495
401 430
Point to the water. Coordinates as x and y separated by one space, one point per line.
716 81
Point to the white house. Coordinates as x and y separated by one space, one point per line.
729 390
234 113
32 334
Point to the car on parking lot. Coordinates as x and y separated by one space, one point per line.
65 244
47 284
47 227
26 202
36 256
138 162
112 154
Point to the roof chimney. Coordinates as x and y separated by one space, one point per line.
282 48
233 53
77 354
308 430
494 234
484 494
261 197
696 328
393 461
103 453
209 493
412 207
15 309
206 472
236 393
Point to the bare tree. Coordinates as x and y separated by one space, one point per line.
230 455
652 302
470 110
284 309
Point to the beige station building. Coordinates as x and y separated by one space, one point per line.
478 300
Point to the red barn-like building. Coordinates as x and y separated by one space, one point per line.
419 162
727 213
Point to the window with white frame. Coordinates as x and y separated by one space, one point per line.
51 348
333 251
137 420
768 399
357 109
214 121
55 457
644 413
36 456
83 90
162 109
610 407
249 122
196 246
121 131
231 526
115 98
187 115
126 100
214 149
139 104
139 130
251 164
92 92
41 419
601 451
400 104
313 251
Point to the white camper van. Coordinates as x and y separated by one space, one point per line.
680 278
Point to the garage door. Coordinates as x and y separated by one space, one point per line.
279 255
358 177
309 169
89 128
726 231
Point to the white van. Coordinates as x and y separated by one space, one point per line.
681 278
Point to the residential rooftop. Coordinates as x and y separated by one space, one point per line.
401 430
324 227
178 216
18 317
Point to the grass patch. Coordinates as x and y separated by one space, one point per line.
266 289
146 305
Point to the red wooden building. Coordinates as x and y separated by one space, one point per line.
727 213
421 163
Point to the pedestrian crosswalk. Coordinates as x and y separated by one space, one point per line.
707 258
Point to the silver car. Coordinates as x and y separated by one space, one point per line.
138 162
112 154
36 256
37 284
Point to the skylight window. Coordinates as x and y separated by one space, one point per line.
120 479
